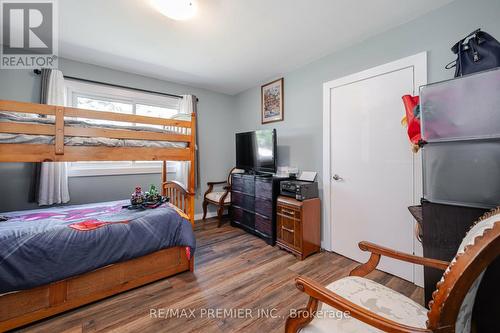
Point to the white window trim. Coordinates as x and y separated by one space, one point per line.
116 93
76 88
78 170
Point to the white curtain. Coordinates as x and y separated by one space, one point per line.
53 187
187 107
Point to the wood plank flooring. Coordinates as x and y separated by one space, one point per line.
234 270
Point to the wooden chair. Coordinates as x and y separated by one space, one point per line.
221 199
375 308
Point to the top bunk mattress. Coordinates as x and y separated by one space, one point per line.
87 141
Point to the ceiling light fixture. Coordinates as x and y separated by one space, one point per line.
176 9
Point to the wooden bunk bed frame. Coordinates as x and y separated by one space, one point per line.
23 307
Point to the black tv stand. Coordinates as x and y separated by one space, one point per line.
253 203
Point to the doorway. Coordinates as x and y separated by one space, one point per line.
370 174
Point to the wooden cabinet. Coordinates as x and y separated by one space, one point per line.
298 226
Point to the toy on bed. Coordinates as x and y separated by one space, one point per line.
153 196
150 199
138 197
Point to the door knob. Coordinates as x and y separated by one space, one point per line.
337 177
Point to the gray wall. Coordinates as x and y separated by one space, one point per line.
300 134
216 137
220 116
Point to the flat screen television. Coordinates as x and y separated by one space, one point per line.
256 151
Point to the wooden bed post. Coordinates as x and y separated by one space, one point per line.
192 168
192 178
164 178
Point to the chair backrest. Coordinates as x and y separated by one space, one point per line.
233 170
453 301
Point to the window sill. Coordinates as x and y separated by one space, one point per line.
93 172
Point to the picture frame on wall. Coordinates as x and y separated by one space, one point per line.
272 99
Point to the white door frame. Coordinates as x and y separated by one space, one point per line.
419 64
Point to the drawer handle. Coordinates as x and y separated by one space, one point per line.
286 229
289 212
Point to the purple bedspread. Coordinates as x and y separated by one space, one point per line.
38 247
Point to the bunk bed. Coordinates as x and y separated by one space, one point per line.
46 133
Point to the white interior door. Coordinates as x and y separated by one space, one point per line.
373 174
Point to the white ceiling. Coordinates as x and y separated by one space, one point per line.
231 45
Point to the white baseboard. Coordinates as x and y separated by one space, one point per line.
200 215
209 215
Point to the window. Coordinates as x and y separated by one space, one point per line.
107 98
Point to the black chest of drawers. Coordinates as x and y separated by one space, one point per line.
253 204
444 227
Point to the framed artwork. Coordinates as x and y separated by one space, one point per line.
272 101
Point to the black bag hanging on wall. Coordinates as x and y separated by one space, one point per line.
478 51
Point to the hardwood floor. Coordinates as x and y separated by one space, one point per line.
234 270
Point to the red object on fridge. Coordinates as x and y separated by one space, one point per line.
414 133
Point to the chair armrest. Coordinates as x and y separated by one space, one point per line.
317 293
377 251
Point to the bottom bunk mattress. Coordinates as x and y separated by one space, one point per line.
46 245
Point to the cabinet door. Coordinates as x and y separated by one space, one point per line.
243 217
289 226
264 189
264 207
263 224
243 184
243 200
237 183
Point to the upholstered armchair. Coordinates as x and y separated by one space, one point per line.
221 197
372 307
